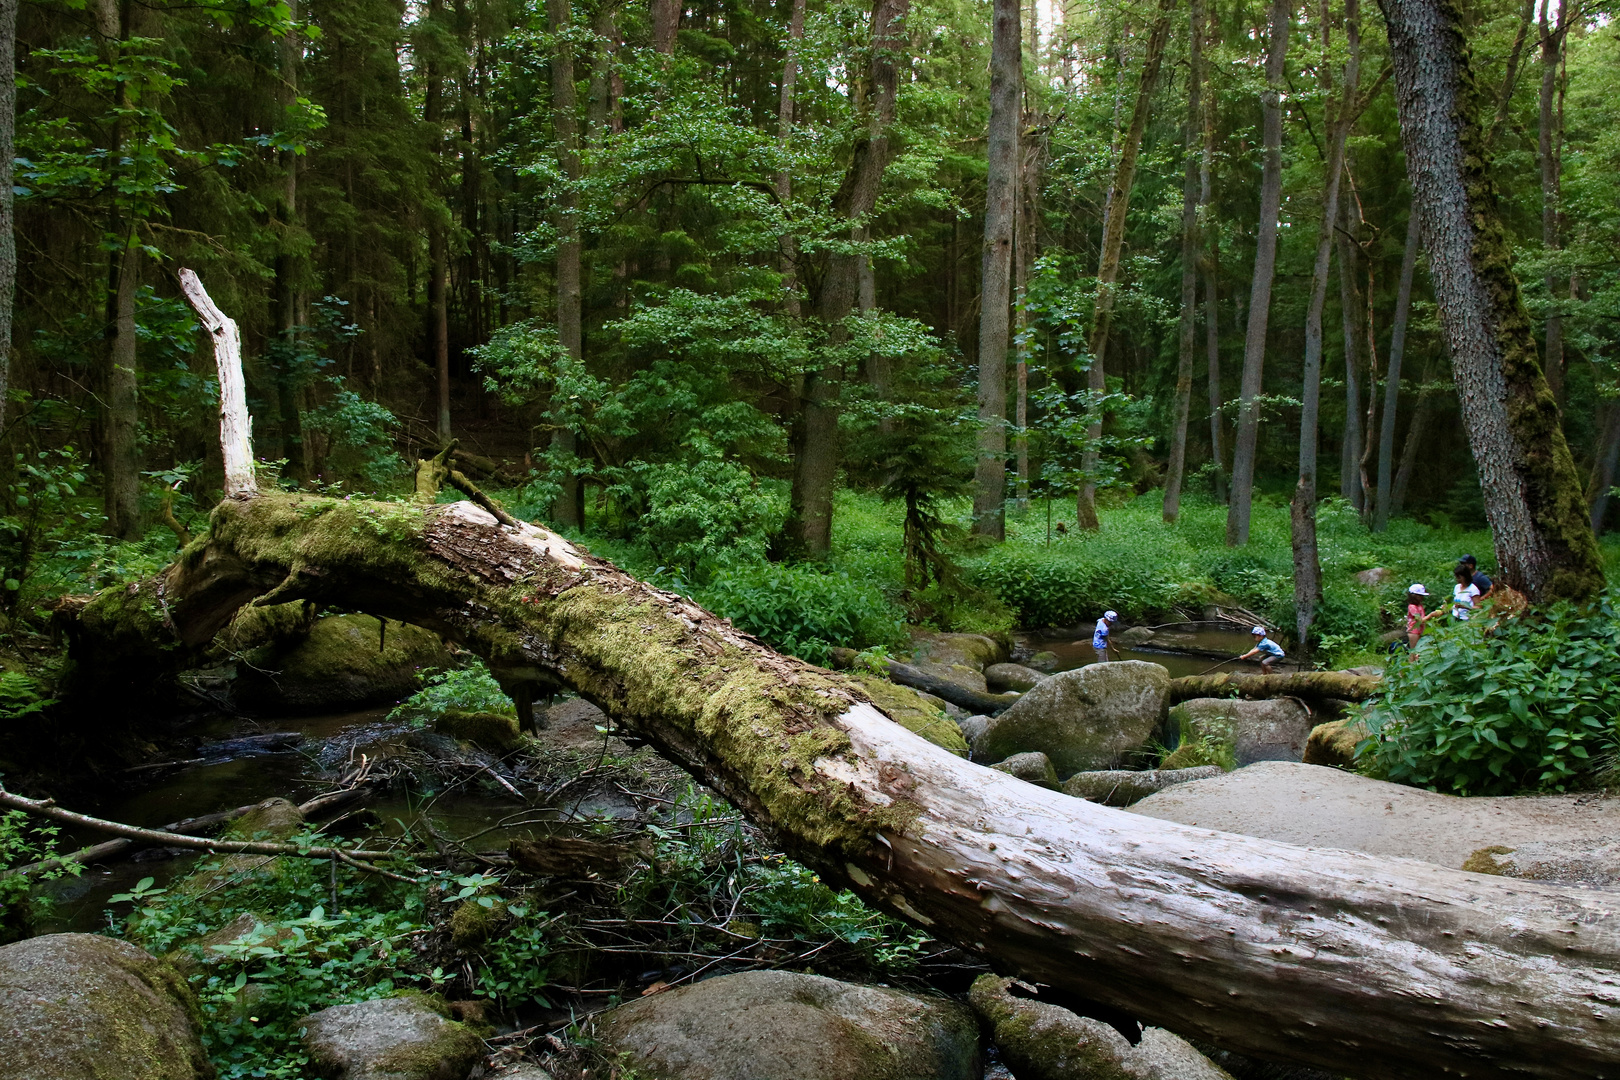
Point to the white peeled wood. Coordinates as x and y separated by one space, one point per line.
235 425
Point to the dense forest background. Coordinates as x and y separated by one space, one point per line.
674 273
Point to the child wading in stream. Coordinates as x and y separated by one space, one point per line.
1099 636
1267 650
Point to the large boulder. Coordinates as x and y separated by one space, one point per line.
343 662
1309 806
1042 1041
1089 718
780 1025
1334 743
83 1007
1271 730
400 1038
1033 767
1589 864
957 658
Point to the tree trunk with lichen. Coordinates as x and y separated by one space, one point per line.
1256 946
1533 498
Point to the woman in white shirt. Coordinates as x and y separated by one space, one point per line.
1463 594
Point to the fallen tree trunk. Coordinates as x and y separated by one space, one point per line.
1371 967
1314 685
963 697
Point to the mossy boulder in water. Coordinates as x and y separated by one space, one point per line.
1044 1042
497 732
779 1025
83 1007
1123 787
1090 718
343 662
1271 730
273 820
409 1037
1002 677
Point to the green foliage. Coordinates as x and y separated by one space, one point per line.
23 840
706 514
21 695
804 610
1531 704
468 689
794 902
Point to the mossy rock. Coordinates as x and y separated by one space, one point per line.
273 820
908 708
1091 718
1270 730
1334 743
344 662
408 1037
780 1025
473 923
1041 1041
84 1007
1033 767
496 732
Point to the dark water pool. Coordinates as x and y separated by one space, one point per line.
1183 648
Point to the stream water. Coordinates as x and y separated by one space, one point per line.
330 742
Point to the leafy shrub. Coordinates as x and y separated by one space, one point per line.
705 514
22 841
470 689
801 610
1531 704
1063 586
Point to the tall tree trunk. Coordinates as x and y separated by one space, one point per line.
120 448
1386 968
1188 327
1533 498
789 258
1392 385
1549 147
815 462
567 511
666 20
1027 205
1307 563
1211 269
438 283
284 299
1265 268
1608 462
1355 349
1415 428
1001 183
8 236
1113 242
1510 78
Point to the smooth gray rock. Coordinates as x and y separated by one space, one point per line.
1585 863
1272 730
1002 677
779 1025
1132 636
1122 787
398 1038
1045 1042
84 1007
339 665
1089 718
973 726
1309 806
1034 767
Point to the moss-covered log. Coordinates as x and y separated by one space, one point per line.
1314 685
1374 968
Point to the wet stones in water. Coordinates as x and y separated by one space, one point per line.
1132 637
1124 787
495 732
1002 677
344 662
1033 767
1045 1042
1272 730
83 1007
400 1038
778 1025
1089 718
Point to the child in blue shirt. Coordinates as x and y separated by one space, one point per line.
1267 650
1099 636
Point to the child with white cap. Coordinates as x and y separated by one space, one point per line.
1099 637
1267 650
1416 618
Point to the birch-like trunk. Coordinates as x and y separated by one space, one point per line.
1533 498
1265 269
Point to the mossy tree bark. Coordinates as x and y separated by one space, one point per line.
568 509
1376 968
1533 498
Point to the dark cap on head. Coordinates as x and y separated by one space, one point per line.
1469 559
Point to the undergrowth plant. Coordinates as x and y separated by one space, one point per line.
465 689
1489 707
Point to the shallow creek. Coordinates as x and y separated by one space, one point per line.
298 773
1190 648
